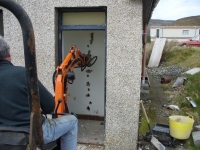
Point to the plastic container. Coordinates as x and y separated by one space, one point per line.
180 126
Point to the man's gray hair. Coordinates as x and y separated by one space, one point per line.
4 48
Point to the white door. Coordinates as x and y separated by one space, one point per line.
87 93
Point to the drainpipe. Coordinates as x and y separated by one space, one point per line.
144 52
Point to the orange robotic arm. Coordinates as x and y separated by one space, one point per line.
64 74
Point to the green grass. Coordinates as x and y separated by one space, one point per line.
176 55
191 146
182 56
191 89
144 125
187 57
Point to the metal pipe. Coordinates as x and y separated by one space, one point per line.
36 135
144 53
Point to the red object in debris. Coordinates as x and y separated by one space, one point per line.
166 79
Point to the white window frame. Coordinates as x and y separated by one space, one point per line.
185 32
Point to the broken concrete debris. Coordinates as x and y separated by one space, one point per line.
158 74
193 71
161 132
196 138
173 107
197 127
179 82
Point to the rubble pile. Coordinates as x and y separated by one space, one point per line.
172 71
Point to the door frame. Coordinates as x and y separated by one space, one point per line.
82 27
157 33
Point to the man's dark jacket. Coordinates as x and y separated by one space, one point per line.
14 104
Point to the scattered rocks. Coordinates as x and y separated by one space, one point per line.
172 71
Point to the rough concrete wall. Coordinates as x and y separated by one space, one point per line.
124 48
123 65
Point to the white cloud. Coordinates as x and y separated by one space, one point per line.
176 9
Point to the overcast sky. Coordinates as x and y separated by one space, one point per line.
176 9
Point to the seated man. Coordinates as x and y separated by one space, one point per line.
14 104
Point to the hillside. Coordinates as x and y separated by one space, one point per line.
157 22
188 21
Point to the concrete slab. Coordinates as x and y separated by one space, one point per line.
196 138
179 81
157 52
91 132
193 71
197 127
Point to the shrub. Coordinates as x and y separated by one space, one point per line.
149 47
169 45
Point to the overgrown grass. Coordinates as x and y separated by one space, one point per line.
187 57
176 55
144 125
191 89
182 56
169 46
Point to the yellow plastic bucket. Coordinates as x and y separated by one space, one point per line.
180 126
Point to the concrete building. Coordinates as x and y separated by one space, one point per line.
178 33
111 30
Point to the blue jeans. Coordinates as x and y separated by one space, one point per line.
65 127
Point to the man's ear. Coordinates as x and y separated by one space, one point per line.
8 57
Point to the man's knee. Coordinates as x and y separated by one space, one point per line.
74 122
71 118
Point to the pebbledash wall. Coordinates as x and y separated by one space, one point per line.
123 61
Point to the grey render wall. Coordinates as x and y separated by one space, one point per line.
123 62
